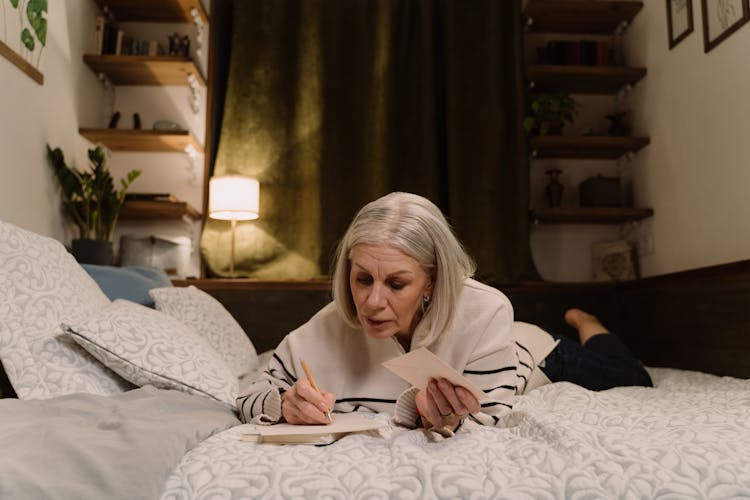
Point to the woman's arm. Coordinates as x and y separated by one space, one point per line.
280 393
492 368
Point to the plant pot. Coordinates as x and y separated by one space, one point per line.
551 128
99 252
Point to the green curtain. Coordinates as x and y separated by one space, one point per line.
332 103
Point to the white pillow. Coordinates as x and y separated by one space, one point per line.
146 346
209 319
41 285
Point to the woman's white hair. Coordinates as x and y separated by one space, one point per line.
415 226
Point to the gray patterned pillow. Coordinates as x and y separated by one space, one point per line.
41 285
146 346
209 319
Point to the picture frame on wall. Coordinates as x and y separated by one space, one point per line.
679 20
721 18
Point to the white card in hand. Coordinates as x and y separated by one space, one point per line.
419 366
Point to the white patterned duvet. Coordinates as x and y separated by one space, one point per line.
687 438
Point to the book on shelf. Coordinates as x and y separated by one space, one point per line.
343 424
99 34
118 42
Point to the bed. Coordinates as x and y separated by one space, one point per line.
129 401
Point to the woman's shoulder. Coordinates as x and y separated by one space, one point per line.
475 290
326 322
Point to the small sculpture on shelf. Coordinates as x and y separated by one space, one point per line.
114 120
554 188
179 45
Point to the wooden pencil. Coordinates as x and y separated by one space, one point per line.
311 379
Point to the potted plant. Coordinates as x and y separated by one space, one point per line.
547 113
91 203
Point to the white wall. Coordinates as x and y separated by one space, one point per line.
33 115
694 174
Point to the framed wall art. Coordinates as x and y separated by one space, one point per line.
23 35
721 18
679 20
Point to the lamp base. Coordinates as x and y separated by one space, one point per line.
231 258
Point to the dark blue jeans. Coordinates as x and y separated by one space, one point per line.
601 363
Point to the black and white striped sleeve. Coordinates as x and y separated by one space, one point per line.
260 403
492 367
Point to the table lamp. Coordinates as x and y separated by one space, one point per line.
233 198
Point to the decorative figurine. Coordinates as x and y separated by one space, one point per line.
114 120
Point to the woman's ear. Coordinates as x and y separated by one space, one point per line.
430 284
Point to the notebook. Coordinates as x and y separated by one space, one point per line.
343 424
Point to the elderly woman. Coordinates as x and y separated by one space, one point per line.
402 281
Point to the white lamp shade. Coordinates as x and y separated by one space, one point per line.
233 197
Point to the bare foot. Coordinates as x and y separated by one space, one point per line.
587 324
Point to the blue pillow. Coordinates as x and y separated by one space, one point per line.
128 282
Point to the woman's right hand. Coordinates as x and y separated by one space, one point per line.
304 405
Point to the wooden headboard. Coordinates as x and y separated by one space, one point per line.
697 320
694 320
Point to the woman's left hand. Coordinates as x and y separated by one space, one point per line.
443 404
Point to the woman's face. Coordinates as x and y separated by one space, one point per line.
387 288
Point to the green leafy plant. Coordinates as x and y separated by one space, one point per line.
547 113
89 197
37 24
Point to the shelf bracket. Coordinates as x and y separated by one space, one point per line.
200 28
621 27
622 92
194 99
629 231
623 160
109 94
192 164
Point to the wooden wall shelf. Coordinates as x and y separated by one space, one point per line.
594 146
579 16
589 215
152 141
157 210
157 11
582 79
145 70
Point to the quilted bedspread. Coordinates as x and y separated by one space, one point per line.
689 437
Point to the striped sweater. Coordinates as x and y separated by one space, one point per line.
347 362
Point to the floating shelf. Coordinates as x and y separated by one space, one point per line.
585 146
579 16
145 70
582 79
157 11
589 215
157 210
152 141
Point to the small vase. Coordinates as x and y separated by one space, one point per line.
554 188
97 252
